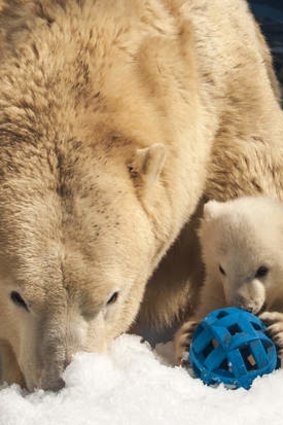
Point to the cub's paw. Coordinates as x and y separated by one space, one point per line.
274 323
182 342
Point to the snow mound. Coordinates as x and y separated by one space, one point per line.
132 386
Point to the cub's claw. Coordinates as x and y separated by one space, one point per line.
274 323
183 339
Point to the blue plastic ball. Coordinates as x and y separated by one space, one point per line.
230 346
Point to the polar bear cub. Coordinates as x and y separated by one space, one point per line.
242 250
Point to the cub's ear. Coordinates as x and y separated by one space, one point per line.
211 210
148 163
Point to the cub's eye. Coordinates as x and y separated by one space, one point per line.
262 271
113 298
18 301
222 271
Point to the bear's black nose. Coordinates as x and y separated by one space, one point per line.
55 385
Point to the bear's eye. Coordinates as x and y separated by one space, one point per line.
262 271
18 301
113 298
222 271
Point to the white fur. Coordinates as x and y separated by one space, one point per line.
239 237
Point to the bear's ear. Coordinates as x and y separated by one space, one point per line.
148 163
211 210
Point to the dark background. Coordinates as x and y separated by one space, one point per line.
270 16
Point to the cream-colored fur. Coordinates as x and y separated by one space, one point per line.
241 244
117 117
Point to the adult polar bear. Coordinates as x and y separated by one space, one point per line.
116 118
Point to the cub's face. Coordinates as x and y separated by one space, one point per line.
242 249
80 235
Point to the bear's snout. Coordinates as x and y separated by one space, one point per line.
53 384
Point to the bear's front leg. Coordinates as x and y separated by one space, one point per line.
10 371
274 323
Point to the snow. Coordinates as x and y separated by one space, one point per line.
132 386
